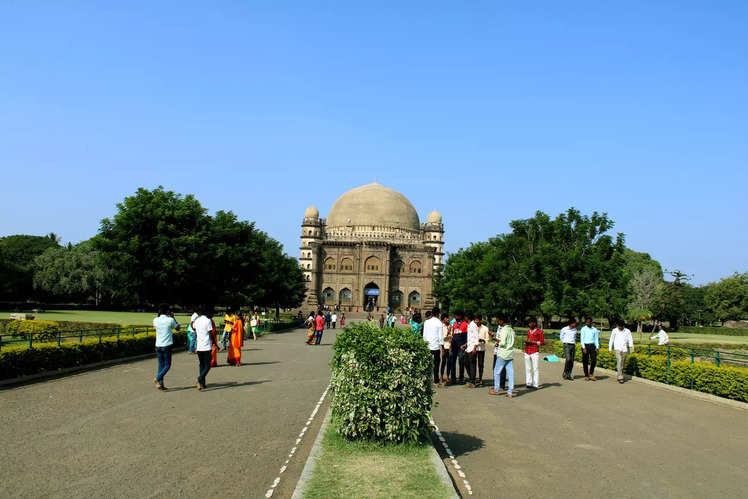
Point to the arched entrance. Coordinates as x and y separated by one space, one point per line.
414 299
371 296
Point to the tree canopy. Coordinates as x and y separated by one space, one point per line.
17 254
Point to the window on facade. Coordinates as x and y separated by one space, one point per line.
328 295
415 267
414 299
373 264
329 264
346 264
345 295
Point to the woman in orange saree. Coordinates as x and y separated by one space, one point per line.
237 341
214 347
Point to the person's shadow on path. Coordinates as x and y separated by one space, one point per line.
461 444
219 386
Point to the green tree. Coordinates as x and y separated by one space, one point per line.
17 254
728 298
72 272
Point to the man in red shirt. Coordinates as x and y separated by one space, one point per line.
457 348
319 327
534 339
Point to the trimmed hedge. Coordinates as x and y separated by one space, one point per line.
20 360
43 330
727 382
381 384
725 331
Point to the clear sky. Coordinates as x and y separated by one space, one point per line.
485 111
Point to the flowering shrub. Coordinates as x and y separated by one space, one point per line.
381 385
42 330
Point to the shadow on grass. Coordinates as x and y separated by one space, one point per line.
461 444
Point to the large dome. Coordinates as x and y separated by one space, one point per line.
373 204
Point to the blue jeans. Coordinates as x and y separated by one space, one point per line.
501 364
319 337
163 354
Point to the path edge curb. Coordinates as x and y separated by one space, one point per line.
314 455
441 469
706 397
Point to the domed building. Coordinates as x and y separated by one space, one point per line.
371 252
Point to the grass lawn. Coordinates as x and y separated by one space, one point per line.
364 469
102 316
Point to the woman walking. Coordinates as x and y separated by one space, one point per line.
236 341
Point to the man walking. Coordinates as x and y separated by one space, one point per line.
661 335
590 340
621 341
164 324
434 336
334 319
533 341
504 359
457 346
206 341
568 337
319 327
471 349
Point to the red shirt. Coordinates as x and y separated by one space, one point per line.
460 327
320 323
536 335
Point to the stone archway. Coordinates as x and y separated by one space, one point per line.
371 296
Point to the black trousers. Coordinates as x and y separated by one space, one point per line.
590 356
203 359
502 374
445 361
569 350
437 354
455 354
471 358
481 357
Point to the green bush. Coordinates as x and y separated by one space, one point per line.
381 384
728 382
42 330
20 360
726 331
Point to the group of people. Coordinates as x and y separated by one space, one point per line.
317 322
464 338
202 340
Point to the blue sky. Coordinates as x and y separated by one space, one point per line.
485 111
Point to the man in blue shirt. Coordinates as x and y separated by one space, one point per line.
164 324
590 340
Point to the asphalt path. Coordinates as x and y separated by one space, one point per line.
592 439
111 433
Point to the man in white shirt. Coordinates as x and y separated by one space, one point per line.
433 335
568 337
484 335
471 349
620 341
334 319
164 324
205 340
661 335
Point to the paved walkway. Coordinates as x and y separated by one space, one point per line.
593 439
110 433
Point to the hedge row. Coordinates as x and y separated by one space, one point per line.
728 382
42 330
20 360
381 384
725 331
